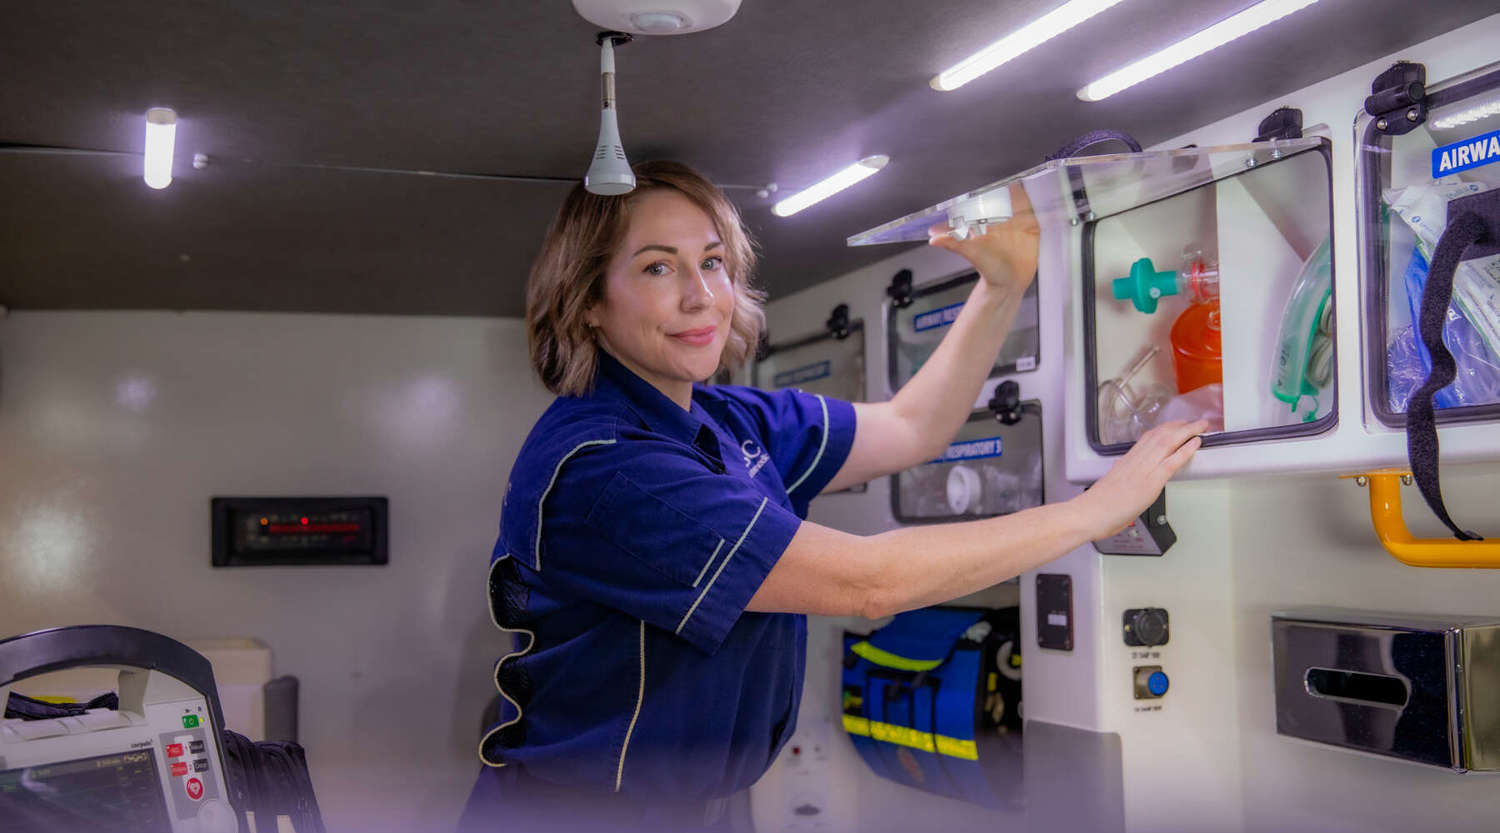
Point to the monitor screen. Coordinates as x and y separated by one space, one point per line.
119 792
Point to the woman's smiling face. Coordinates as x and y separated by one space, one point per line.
668 298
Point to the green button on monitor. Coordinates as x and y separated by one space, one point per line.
190 721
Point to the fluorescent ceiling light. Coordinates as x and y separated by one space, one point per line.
1192 46
161 134
1465 116
830 186
1023 40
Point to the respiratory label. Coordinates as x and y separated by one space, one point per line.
971 450
802 375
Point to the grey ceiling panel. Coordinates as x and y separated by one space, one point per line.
786 92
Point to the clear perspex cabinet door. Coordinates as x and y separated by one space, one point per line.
821 364
1410 186
1215 302
1203 277
916 330
989 469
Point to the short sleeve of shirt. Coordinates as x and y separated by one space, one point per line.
645 526
807 435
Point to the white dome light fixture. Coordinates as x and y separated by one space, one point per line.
657 17
609 173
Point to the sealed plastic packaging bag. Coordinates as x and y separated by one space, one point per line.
1478 380
1472 330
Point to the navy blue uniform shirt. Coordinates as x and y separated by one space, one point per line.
633 535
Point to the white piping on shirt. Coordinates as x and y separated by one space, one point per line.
543 499
722 565
639 698
709 563
821 446
531 637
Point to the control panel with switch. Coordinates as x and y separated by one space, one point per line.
1148 534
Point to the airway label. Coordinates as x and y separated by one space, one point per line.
174 750
179 768
194 788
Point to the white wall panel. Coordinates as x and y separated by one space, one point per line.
116 428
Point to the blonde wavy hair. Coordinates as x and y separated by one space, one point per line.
567 277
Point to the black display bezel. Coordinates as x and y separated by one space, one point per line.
223 510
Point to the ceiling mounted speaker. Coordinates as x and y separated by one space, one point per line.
657 17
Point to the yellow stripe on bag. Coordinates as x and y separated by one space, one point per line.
857 725
904 736
890 660
955 748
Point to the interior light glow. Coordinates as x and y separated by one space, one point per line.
161 135
1465 116
1215 36
830 186
1017 43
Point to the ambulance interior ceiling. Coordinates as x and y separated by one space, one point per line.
278 94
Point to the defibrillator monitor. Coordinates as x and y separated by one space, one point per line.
152 765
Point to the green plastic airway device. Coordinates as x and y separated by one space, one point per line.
1144 285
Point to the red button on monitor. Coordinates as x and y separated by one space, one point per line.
194 789
179 768
174 750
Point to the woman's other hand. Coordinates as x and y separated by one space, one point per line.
1130 486
1006 254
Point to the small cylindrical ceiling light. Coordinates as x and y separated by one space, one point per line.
161 135
830 186
609 173
1190 47
1017 43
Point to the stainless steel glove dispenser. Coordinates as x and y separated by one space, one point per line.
1418 688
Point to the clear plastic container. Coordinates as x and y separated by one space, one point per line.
1406 185
1235 227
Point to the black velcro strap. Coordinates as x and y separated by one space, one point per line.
1094 137
1472 219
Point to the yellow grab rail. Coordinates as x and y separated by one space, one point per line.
1390 527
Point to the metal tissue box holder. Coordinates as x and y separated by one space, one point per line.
1418 688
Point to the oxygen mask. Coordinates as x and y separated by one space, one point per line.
1128 405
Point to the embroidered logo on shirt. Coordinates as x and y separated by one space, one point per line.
755 458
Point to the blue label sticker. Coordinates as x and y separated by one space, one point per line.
971 450
802 375
1470 153
940 317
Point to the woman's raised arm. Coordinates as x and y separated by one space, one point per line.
922 418
832 573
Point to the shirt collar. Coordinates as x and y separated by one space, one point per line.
656 410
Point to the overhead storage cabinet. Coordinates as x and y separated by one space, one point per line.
1200 283
916 328
1420 166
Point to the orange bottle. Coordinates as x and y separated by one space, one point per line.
1197 352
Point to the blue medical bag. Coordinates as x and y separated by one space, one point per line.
933 700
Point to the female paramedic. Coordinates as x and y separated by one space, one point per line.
653 559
